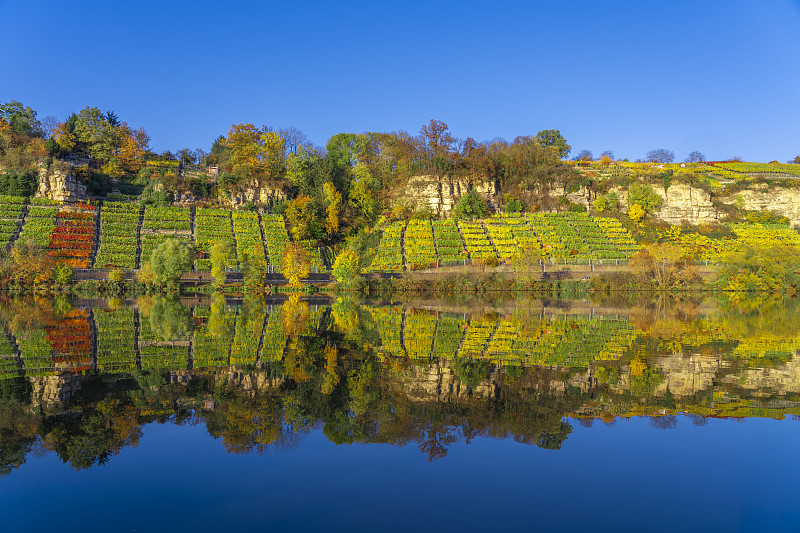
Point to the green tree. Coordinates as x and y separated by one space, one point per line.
18 183
554 139
471 205
645 196
221 255
21 118
170 260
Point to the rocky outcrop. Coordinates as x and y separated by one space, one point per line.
60 183
685 203
253 193
761 197
440 193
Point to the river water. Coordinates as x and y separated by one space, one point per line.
213 414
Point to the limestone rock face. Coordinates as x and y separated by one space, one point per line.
61 184
682 202
440 193
783 201
254 193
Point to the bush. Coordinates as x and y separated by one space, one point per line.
471 205
645 196
576 208
345 268
18 183
63 274
608 203
513 205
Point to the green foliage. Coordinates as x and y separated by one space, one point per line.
21 118
607 204
766 217
18 183
222 254
645 196
554 139
470 206
513 205
345 268
170 320
170 260
768 269
576 208
63 274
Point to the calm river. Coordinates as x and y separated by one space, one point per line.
246 415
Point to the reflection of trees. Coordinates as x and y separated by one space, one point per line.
101 432
169 319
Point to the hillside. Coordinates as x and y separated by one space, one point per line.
122 235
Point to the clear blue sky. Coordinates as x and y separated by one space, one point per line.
719 76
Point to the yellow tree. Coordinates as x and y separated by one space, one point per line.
296 265
255 152
334 200
664 264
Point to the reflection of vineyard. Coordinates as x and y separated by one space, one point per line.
570 342
665 357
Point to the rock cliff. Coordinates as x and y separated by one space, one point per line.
61 184
440 194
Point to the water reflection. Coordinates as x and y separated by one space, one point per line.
80 381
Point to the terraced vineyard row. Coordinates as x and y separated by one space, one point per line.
547 237
128 233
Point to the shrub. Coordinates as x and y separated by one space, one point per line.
345 268
644 195
471 205
63 274
18 183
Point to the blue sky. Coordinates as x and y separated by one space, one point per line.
719 76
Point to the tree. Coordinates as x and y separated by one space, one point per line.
796 160
296 265
221 255
608 153
554 139
334 200
21 119
345 267
437 142
303 215
645 196
774 268
584 155
294 139
170 260
256 153
471 205
666 265
695 157
18 183
607 203
636 213
660 155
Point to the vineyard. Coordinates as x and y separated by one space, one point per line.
545 237
127 233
